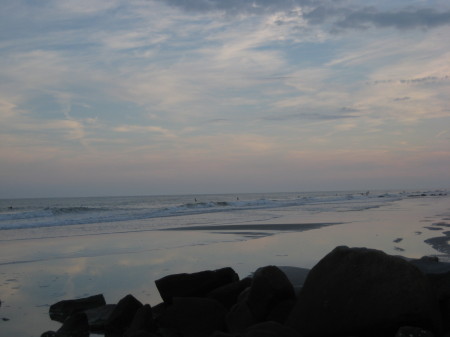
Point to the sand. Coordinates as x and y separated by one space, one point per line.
37 273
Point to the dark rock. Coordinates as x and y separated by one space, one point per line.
431 265
74 326
142 322
97 317
411 331
122 315
296 276
269 287
224 334
192 317
239 317
441 286
142 333
280 312
228 294
269 329
62 310
195 284
364 292
159 309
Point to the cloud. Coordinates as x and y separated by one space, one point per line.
238 6
139 128
338 15
402 19
311 116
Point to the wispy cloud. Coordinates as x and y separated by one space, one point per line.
242 84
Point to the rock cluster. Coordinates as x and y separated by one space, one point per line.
350 292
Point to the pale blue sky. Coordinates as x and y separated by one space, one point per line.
115 97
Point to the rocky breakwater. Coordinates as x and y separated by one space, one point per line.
350 292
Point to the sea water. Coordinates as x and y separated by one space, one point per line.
61 248
72 216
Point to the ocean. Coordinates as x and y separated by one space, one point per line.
53 249
42 217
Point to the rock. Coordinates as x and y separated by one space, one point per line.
441 286
295 275
142 333
431 265
364 292
411 331
269 329
142 322
439 275
75 325
62 310
192 317
195 284
239 318
97 317
122 315
228 294
269 287
280 312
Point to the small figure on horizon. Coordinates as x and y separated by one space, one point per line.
195 199
237 198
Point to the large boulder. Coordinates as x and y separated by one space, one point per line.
269 329
229 293
142 322
194 284
270 286
122 316
98 317
192 317
61 310
75 325
364 292
269 289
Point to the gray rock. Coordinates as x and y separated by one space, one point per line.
269 287
61 310
194 284
192 317
229 293
142 322
239 318
364 292
269 329
122 315
97 317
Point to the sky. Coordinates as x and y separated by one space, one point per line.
145 97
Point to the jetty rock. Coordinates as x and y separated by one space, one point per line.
364 292
350 292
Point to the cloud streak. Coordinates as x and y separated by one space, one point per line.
339 15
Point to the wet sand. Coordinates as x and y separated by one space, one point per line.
37 273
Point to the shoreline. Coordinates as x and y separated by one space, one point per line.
117 264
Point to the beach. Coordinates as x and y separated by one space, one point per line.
38 270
